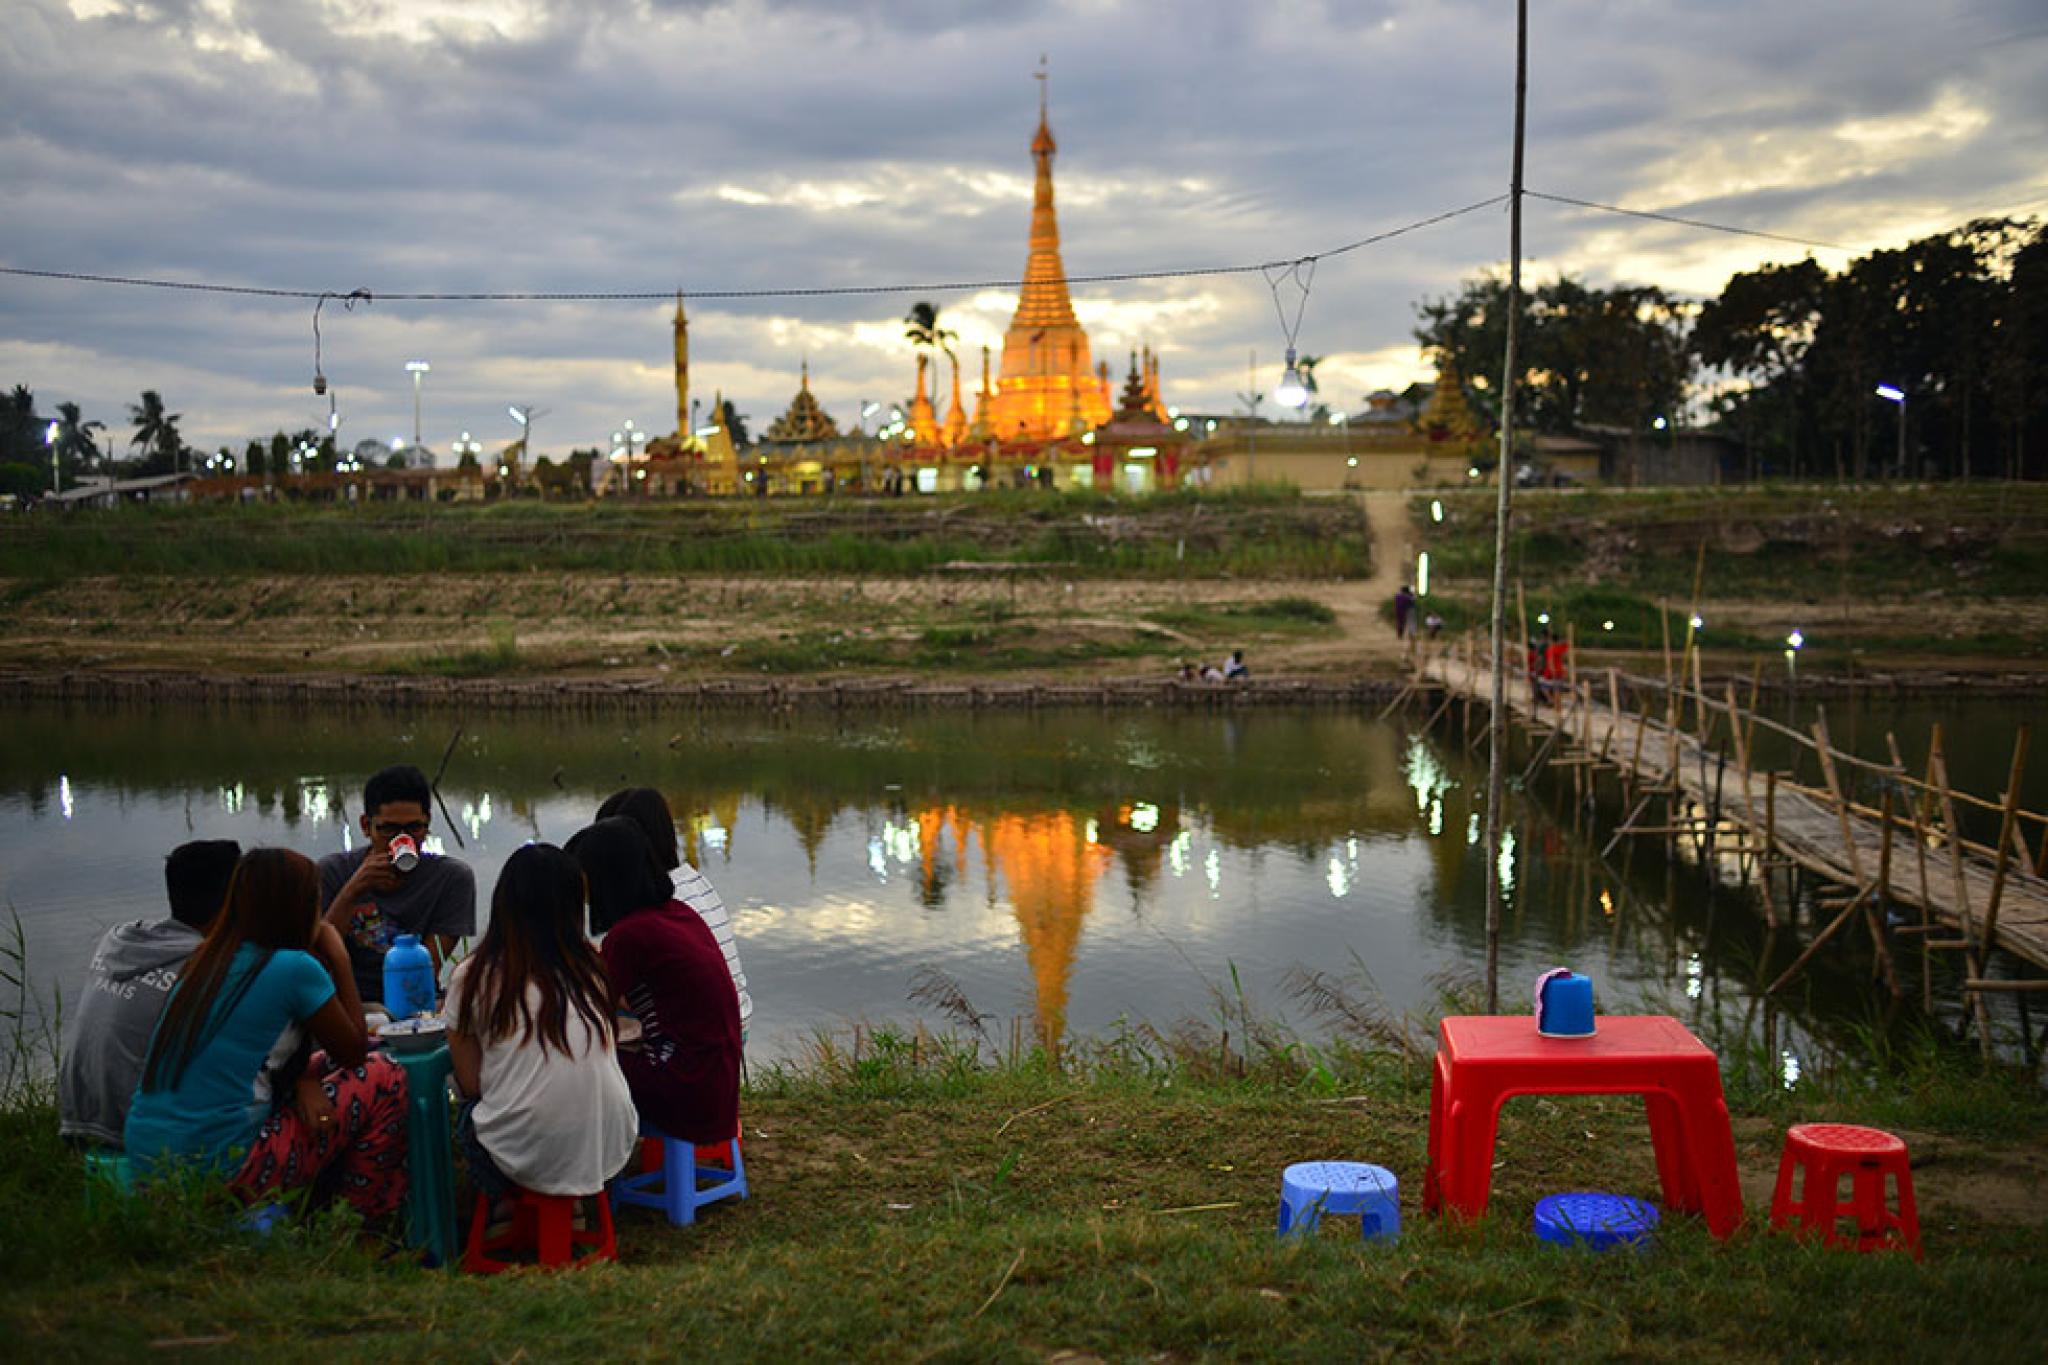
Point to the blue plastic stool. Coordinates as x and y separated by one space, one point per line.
672 1186
1310 1189
1598 1222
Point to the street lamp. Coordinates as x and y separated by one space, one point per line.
50 434
625 449
468 445
1892 393
524 415
418 370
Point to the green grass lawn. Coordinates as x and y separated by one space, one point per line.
1257 532
915 1203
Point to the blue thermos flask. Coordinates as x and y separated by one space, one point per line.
408 978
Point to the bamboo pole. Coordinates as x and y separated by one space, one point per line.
2012 797
1827 768
1834 927
1613 713
1876 915
1937 771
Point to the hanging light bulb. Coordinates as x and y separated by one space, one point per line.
1291 392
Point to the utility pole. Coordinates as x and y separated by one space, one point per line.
1504 477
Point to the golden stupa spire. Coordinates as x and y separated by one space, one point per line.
924 423
982 428
956 416
1047 374
682 330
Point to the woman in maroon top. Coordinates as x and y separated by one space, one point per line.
665 964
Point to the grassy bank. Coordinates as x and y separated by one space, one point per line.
1261 532
1939 572
917 1199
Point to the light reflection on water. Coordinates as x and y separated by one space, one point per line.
1073 869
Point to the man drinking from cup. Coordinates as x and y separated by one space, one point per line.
391 885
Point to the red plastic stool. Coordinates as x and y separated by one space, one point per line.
1829 1151
544 1224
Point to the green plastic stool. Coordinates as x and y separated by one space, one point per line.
108 1176
430 1191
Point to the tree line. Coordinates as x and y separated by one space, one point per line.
1787 359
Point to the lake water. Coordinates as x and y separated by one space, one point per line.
1072 869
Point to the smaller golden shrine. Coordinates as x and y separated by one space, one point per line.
1448 419
806 419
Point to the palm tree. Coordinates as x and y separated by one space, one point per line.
76 444
921 326
156 431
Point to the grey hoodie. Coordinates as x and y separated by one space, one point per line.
107 1038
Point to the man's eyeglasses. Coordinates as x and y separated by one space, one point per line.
386 829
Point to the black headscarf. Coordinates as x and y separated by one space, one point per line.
622 870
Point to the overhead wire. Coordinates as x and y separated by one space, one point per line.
1285 266
1684 222
802 292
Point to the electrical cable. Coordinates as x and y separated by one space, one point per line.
808 292
1684 222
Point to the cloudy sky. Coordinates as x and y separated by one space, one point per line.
653 145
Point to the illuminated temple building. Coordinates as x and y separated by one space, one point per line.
1049 386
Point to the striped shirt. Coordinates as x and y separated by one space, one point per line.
694 889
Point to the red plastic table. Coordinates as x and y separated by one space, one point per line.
1483 1060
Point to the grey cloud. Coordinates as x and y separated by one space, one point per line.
578 155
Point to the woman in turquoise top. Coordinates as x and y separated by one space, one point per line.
268 973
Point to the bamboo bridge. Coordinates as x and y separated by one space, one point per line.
1685 762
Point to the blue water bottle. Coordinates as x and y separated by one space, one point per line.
408 978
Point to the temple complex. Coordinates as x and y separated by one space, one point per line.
1049 387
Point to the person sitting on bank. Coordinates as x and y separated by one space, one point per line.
1235 668
370 901
648 809
665 965
533 1041
132 972
214 1094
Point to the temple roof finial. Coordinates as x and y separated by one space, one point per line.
1041 142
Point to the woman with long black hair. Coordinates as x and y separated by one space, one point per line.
267 974
664 963
532 1038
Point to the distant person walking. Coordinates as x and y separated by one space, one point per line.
1404 611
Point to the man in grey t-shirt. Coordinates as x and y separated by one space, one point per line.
370 902
132 972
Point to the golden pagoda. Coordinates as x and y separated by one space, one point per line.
922 421
956 416
1447 418
806 420
982 428
1049 387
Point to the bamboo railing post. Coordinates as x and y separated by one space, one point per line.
2005 831
1613 711
1770 853
1670 697
1937 772
1877 913
1827 768
1834 927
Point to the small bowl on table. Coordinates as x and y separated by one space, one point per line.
422 1033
